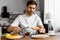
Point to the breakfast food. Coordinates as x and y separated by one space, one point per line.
35 28
13 36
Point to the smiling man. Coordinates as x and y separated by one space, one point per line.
29 20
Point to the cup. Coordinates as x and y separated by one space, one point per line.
26 33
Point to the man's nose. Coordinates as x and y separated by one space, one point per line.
31 9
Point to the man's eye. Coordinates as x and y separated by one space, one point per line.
29 7
33 8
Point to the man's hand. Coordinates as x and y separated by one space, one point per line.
42 29
16 29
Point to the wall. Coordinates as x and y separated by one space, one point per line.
42 10
57 14
52 7
15 6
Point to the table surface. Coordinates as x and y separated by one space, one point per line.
56 37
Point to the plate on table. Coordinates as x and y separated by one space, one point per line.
52 34
15 36
40 36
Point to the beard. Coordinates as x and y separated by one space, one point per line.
30 13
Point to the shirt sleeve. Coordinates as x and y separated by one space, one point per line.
39 22
15 22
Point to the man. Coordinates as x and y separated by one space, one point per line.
29 20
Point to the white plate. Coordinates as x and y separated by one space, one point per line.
40 36
52 34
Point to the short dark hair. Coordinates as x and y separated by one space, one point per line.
31 3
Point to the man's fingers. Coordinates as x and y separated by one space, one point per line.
41 31
17 29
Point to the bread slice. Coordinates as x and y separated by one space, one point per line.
35 28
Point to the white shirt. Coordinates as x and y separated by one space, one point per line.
25 21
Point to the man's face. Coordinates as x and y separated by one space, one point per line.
31 9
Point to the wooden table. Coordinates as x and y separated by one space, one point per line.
56 37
